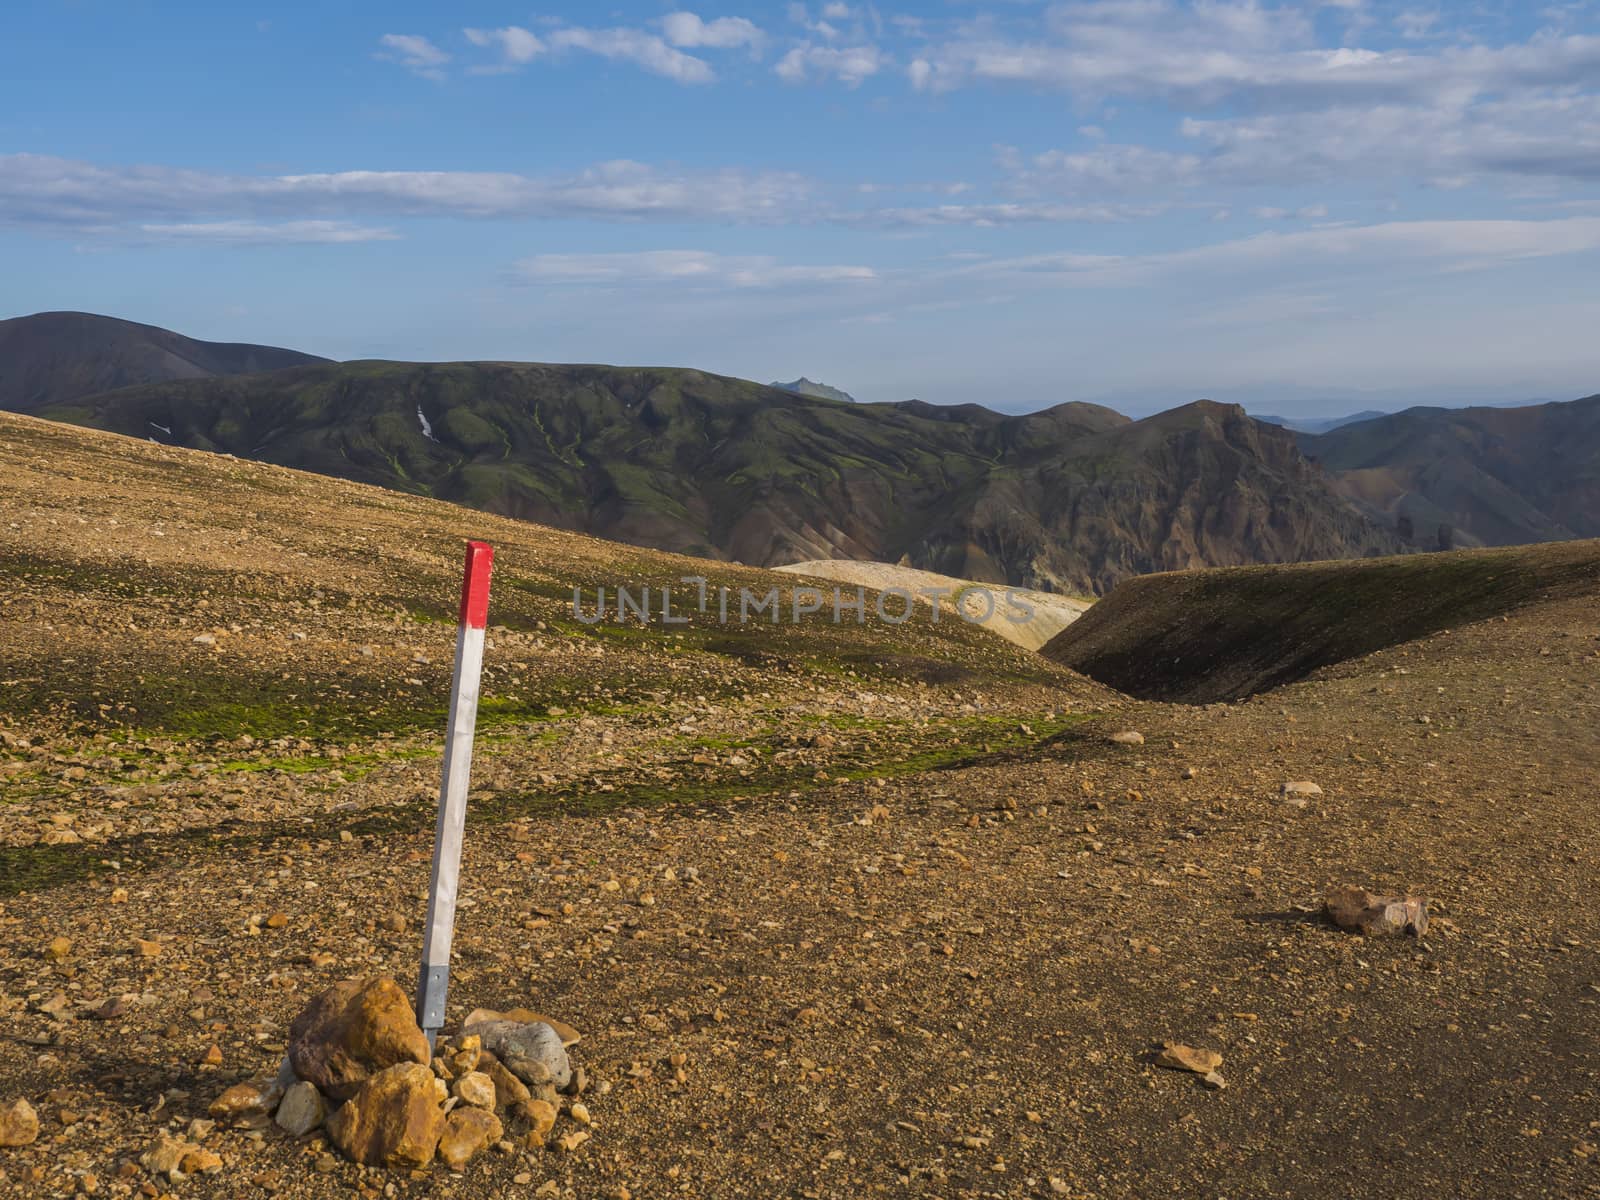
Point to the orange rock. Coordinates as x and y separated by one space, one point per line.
508 1089
352 1031
1179 1057
394 1119
19 1124
467 1131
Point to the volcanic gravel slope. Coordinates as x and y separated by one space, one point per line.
913 922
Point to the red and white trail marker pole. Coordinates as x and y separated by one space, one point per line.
442 888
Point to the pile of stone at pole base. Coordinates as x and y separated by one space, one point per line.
359 1069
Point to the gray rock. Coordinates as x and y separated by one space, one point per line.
532 1052
301 1110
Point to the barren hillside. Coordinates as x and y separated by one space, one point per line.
879 911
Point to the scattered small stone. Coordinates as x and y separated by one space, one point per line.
569 1142
1300 787
1128 737
177 1159
58 948
541 1116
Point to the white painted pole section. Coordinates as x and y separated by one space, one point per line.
434 981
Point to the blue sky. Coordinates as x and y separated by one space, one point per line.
1302 207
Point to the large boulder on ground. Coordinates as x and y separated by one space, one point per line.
467 1131
394 1120
531 1051
19 1124
1361 911
352 1031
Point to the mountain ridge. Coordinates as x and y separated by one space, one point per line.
1070 499
1472 476
50 357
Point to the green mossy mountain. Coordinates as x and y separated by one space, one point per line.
1072 499
52 357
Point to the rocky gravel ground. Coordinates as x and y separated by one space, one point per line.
832 921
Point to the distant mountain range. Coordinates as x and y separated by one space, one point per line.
1070 499
1319 424
1472 476
807 387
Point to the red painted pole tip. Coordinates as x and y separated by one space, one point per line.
475 585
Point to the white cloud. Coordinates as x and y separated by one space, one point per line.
724 33
1550 137
43 192
836 12
413 52
984 216
1206 53
644 50
849 65
1310 212
516 45
1443 245
259 233
699 268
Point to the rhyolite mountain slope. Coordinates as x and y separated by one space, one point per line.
52 357
1486 476
1072 499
